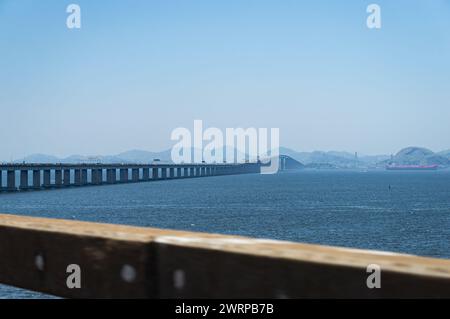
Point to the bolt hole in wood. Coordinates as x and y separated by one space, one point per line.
128 273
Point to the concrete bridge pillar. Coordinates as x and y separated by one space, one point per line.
100 176
155 174
185 172
171 172
84 177
36 179
124 175
94 176
111 175
203 171
135 175
11 180
197 171
47 178
178 172
58 177
24 179
145 173
163 173
77 177
191 171
66 177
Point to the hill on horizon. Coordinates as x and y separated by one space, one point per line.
335 159
414 155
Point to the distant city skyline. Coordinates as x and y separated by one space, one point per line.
133 73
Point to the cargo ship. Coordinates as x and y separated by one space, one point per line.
394 167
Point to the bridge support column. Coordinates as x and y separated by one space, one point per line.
145 174
163 173
155 174
135 175
185 172
191 171
66 177
111 175
124 175
84 177
36 179
58 177
197 171
100 176
179 172
77 177
203 171
94 176
47 178
171 172
97 176
11 180
23 179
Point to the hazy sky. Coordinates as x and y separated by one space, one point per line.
138 69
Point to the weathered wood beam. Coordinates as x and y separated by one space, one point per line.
135 262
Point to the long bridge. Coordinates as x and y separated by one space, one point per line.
23 177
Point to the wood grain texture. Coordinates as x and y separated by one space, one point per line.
173 264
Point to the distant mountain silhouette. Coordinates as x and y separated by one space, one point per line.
333 159
139 156
419 156
316 159
39 158
445 154
132 156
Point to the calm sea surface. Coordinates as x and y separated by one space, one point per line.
340 208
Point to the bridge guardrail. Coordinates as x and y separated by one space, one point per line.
133 262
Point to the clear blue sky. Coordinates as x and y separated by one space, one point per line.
138 69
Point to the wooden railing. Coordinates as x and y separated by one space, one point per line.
131 262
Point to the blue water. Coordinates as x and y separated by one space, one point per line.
340 208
